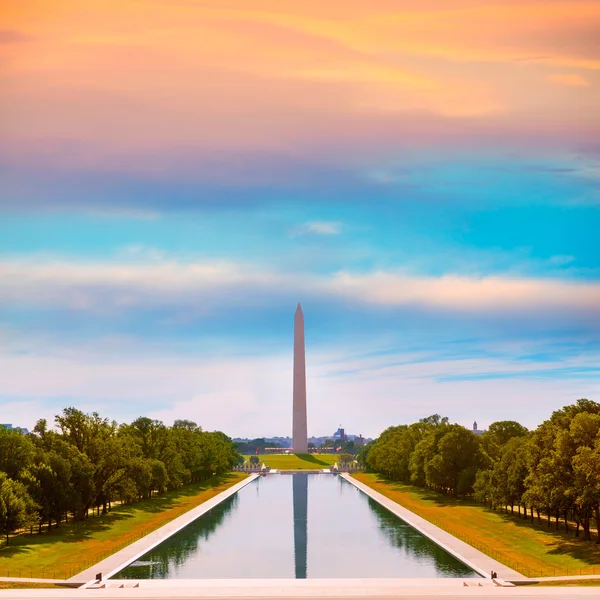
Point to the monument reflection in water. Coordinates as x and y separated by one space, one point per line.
296 526
300 498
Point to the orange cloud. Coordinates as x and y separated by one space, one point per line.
570 79
139 75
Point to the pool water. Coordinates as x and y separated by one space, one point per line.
297 526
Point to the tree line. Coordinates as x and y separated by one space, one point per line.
346 446
258 445
255 446
552 471
53 476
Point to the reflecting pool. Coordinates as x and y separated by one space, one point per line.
297 526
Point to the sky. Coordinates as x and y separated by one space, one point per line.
176 175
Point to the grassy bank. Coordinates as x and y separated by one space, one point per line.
532 550
298 461
571 583
14 585
66 551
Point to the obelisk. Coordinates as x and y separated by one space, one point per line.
299 432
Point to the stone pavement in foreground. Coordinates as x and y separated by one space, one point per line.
473 558
372 589
120 559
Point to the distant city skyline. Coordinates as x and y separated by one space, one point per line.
423 176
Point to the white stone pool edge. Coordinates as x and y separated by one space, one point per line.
473 558
119 560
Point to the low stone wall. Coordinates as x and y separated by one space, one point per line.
251 469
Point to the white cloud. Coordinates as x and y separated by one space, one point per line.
205 287
469 293
318 228
25 413
560 260
252 396
232 394
118 212
144 251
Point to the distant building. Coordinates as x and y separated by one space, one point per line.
10 427
359 440
478 431
340 435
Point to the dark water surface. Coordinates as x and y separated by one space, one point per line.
286 526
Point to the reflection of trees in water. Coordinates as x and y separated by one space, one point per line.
176 550
402 535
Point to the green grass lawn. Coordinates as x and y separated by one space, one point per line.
298 461
570 583
534 551
13 585
66 551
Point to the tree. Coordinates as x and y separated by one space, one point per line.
483 487
223 455
48 482
108 454
81 487
364 454
349 447
553 485
392 451
586 470
434 420
17 509
16 451
187 425
346 459
453 467
90 460
497 435
424 452
41 427
584 434
83 431
510 471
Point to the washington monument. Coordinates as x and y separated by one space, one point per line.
299 433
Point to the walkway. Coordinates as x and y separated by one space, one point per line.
473 558
372 589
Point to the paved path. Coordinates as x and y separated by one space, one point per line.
268 587
473 558
120 559
309 588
